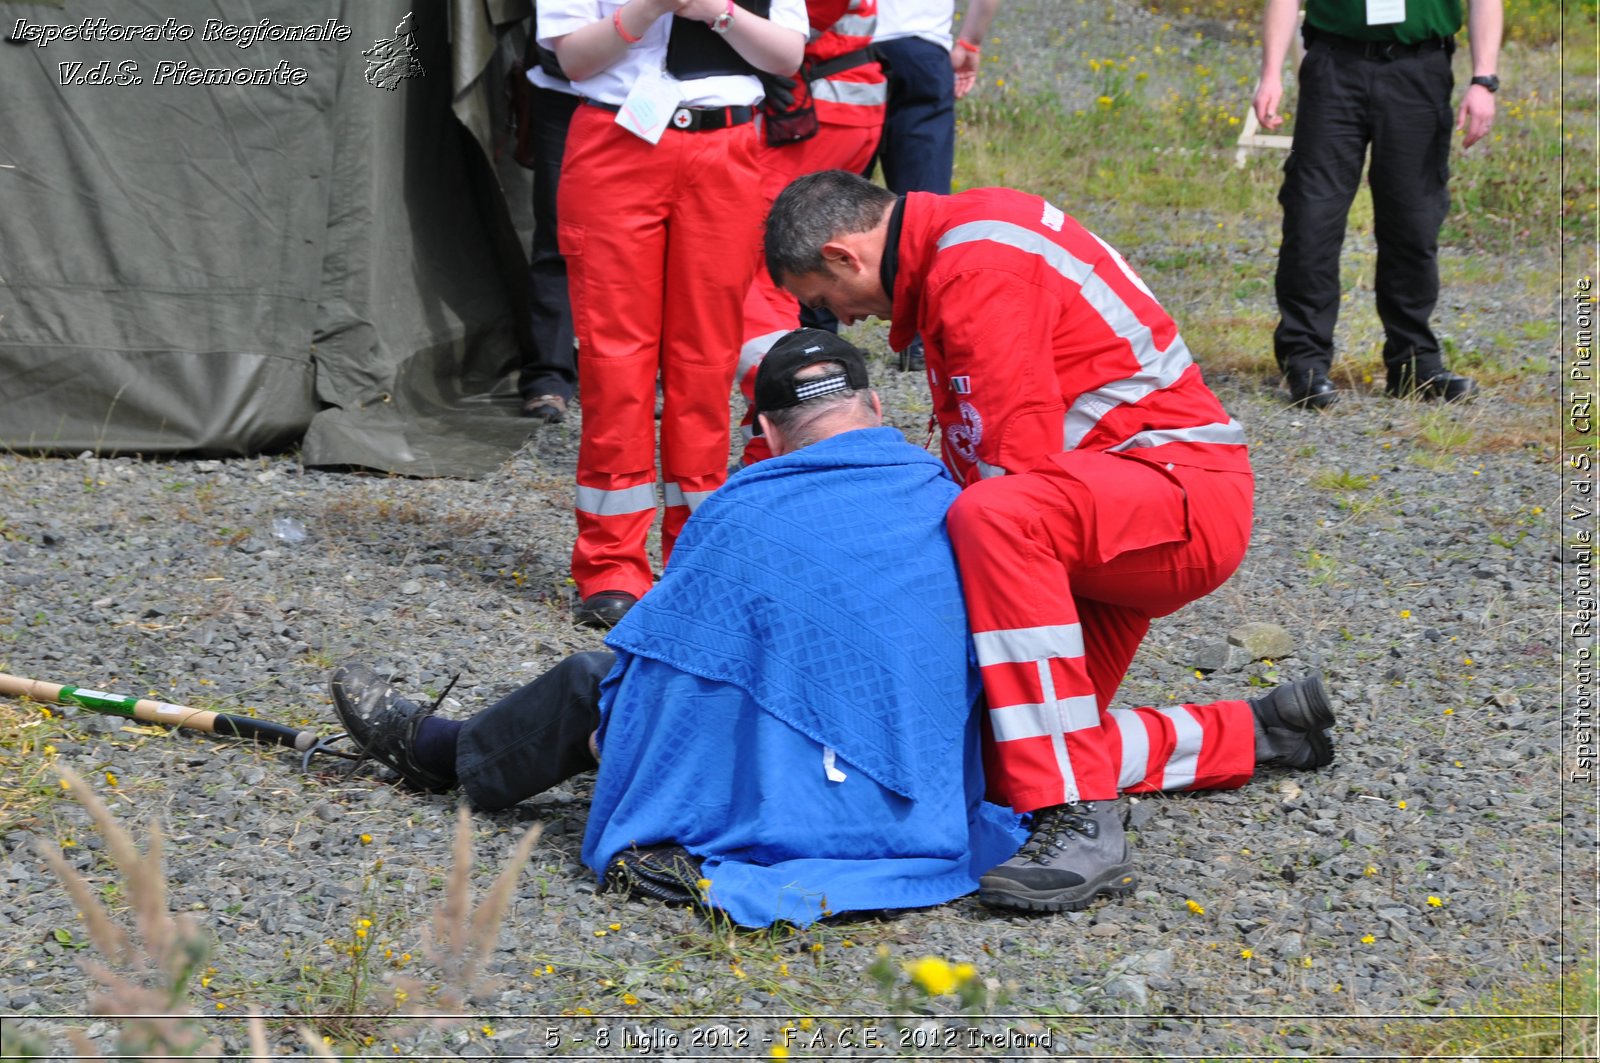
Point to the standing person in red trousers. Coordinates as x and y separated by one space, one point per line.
660 210
1104 485
833 123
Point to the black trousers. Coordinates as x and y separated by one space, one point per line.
534 737
1400 108
553 368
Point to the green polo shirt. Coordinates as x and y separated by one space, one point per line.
1425 19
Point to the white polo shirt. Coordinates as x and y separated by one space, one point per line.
932 20
557 18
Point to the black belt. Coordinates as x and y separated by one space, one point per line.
1385 50
696 119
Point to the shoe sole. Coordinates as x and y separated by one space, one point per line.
997 892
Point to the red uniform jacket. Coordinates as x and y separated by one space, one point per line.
856 95
1040 339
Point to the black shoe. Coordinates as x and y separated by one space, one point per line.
1292 725
667 873
1443 386
383 724
914 359
551 409
604 609
1077 852
1311 388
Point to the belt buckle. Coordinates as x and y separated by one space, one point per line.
682 118
1381 50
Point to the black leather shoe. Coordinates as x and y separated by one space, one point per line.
604 609
913 359
1442 386
551 409
1292 724
1311 388
383 724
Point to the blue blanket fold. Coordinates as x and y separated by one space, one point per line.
781 606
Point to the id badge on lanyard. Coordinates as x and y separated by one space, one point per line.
1385 12
649 106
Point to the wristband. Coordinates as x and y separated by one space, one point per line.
969 46
622 31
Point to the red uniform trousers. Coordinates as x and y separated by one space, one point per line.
1063 568
660 241
770 311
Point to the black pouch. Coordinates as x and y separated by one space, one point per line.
788 112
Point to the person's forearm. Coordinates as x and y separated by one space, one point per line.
765 45
975 23
1277 31
1485 24
587 51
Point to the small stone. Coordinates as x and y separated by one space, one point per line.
1262 640
411 586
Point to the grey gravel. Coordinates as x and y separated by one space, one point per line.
1428 599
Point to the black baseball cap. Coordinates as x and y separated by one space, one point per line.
776 388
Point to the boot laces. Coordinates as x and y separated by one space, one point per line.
1057 827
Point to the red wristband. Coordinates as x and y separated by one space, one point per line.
622 31
969 46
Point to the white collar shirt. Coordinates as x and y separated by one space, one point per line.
557 18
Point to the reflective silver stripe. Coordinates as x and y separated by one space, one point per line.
855 26
677 496
1157 372
989 472
1050 717
603 503
1157 368
854 93
1135 747
1185 759
1232 432
1058 739
754 350
1022 644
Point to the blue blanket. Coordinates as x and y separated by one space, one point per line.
793 702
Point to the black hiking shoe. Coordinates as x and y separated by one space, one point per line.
382 724
1292 723
1077 852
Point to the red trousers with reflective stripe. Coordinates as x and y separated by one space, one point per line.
770 311
1063 569
660 242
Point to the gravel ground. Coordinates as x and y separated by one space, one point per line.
1409 553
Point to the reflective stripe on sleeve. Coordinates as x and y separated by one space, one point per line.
1052 717
1017 645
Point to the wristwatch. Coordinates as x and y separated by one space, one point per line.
1488 81
721 23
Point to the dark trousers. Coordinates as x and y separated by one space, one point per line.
918 152
1401 109
535 736
553 368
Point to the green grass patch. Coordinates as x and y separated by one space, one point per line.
1553 1020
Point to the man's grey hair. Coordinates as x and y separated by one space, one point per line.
816 419
817 208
